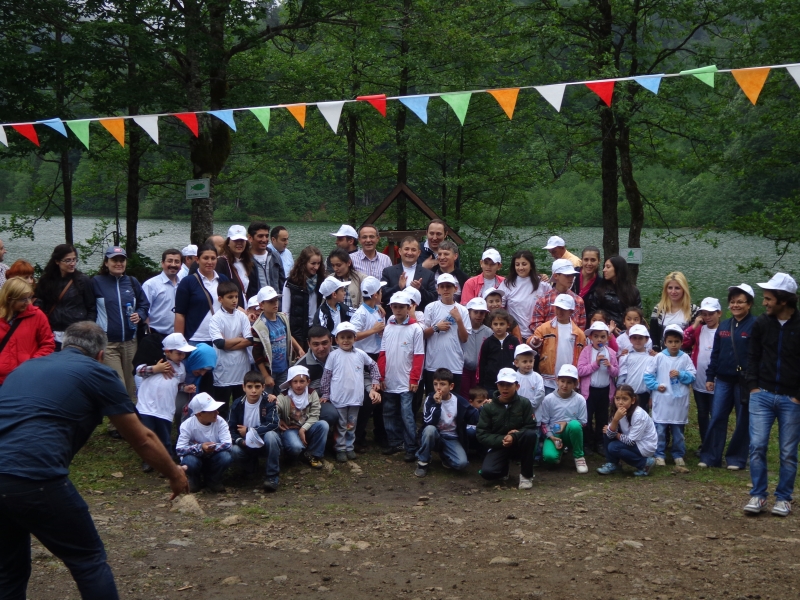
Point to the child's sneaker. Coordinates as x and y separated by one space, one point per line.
647 468
271 484
410 457
608 469
756 505
679 462
422 469
660 462
313 461
341 456
525 483
580 465
782 508
351 455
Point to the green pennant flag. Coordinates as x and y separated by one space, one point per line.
459 102
704 74
81 130
262 114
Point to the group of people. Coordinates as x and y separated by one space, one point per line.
257 355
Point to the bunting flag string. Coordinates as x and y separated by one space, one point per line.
751 80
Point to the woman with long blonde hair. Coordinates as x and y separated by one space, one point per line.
674 308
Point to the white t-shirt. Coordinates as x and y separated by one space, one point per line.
672 405
347 376
156 394
555 409
520 300
488 283
232 365
632 367
243 274
262 260
194 432
675 318
565 351
600 378
400 343
531 386
252 414
641 431
447 418
202 335
624 343
444 348
706 342
365 318
409 271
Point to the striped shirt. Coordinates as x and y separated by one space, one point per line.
368 266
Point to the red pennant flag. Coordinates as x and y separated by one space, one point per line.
604 89
27 131
377 100
190 120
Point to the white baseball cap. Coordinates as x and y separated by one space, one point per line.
477 304
237 232
330 285
492 255
202 402
266 293
446 278
413 295
638 330
562 266
293 372
780 282
345 326
744 288
370 285
253 302
190 250
564 301
568 371
492 290
400 298
554 242
522 349
252 439
346 231
710 304
599 326
176 341
507 375
674 328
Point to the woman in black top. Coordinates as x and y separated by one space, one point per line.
614 293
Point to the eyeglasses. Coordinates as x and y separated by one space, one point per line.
70 261
26 299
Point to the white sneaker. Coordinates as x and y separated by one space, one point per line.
782 508
580 465
679 462
702 465
756 505
525 483
734 468
660 462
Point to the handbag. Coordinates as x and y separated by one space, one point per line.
60 296
744 393
208 295
11 331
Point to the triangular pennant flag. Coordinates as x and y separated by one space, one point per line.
751 81
704 74
262 114
377 100
650 82
81 130
418 105
3 138
55 124
459 102
299 113
331 111
794 71
226 116
604 89
554 94
190 120
115 127
150 125
26 130
507 99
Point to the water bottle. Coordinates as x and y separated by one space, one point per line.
675 385
129 312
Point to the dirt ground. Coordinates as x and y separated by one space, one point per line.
370 529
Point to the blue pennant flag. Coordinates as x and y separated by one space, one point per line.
56 124
650 82
418 105
226 116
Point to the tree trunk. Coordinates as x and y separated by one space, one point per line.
400 134
632 193
608 166
66 180
459 187
350 175
132 195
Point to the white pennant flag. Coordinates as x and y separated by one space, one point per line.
554 94
331 111
3 138
794 71
149 124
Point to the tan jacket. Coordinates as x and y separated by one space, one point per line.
548 347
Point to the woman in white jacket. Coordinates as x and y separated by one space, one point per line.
630 437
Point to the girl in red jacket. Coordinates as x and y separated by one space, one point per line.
24 330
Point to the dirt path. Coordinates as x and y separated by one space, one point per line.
373 530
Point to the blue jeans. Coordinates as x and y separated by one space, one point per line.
704 402
765 408
678 441
398 418
271 449
329 414
210 467
55 513
617 451
316 436
162 428
449 450
727 397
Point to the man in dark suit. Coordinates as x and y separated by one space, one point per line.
408 272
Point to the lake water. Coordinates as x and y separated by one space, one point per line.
710 270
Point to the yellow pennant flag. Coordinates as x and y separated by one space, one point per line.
751 81
115 127
299 113
507 99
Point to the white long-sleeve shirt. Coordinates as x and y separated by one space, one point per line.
631 370
672 405
640 431
531 386
555 409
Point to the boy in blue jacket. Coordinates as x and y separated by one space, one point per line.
446 416
254 427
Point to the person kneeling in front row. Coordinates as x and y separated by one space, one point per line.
204 445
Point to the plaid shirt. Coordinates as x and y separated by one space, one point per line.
544 310
373 267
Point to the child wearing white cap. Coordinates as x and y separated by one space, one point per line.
478 332
531 384
563 415
487 278
698 340
274 348
597 368
668 377
633 363
159 388
333 310
369 318
559 342
303 433
204 445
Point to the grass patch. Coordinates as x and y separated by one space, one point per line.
139 553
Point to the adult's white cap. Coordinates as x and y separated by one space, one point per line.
674 328
564 301
492 255
202 402
743 287
293 372
599 326
190 250
562 266
400 298
345 326
237 232
638 330
492 290
176 341
710 304
266 293
568 371
370 285
780 282
507 376
446 278
522 349
346 231
330 285
477 304
554 242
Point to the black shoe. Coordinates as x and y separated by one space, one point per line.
146 468
271 485
391 450
351 455
114 434
422 470
409 457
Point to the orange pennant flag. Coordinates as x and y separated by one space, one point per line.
115 127
507 99
299 112
751 81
